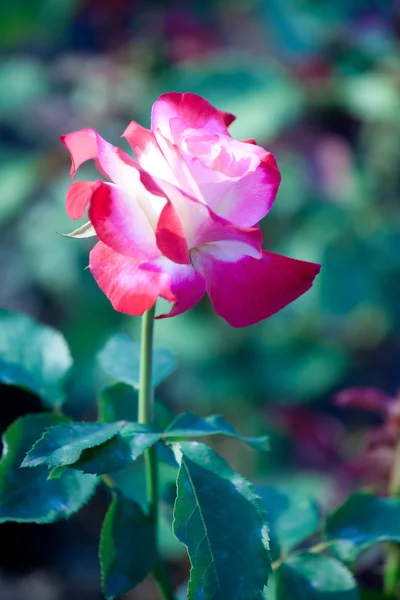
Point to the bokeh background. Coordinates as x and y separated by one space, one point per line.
318 84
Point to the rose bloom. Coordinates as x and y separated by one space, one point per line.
183 219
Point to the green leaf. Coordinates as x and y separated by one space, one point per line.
307 576
25 494
218 516
33 356
63 445
127 546
118 452
190 425
118 402
367 594
84 231
292 518
120 358
361 521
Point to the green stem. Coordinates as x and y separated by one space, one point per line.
145 416
391 580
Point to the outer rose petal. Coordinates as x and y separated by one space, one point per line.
78 198
250 290
120 222
194 111
133 286
87 144
130 288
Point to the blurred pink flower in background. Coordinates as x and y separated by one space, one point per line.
183 220
375 462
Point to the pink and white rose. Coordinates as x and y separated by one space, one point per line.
183 219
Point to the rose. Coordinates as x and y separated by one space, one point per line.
183 219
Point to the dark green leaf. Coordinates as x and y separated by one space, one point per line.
218 516
25 494
190 425
120 358
292 518
309 576
362 521
63 444
367 594
132 484
127 546
118 402
119 452
33 356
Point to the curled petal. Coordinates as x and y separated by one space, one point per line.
247 290
133 286
121 223
187 111
78 198
87 144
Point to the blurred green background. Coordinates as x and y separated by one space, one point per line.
318 84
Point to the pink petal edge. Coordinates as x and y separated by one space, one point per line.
250 290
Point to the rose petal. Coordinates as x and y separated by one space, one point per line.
250 290
87 144
78 198
194 112
148 153
200 224
133 286
120 222
250 199
186 284
130 288
170 236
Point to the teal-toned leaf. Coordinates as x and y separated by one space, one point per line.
119 402
33 356
25 494
120 358
63 444
361 521
190 425
132 484
292 517
307 576
218 516
84 231
127 546
119 452
56 473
